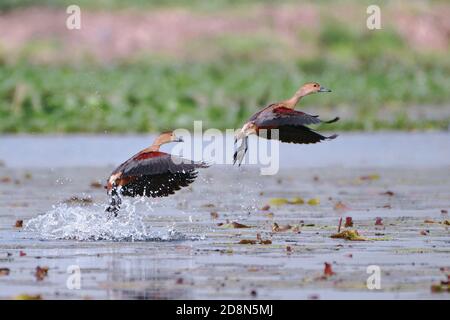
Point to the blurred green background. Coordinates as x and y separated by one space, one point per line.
140 66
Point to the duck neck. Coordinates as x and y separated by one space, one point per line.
153 148
292 102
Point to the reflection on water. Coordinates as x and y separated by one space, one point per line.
148 278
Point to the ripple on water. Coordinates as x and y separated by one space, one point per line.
91 223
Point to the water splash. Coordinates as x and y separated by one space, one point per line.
92 223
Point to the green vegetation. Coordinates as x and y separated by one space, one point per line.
150 97
367 71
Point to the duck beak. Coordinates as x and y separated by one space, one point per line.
323 89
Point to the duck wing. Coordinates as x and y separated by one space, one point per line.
280 115
156 174
294 134
291 125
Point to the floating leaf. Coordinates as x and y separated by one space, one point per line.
234 225
19 224
388 193
5 179
341 207
28 297
378 221
313 201
328 270
265 208
443 286
41 273
370 177
296 200
214 215
4 271
247 241
351 235
278 201
283 228
96 185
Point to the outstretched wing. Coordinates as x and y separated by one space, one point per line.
153 163
160 185
294 134
291 125
279 116
156 174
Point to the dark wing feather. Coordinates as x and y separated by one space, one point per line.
160 185
296 134
152 163
279 116
156 174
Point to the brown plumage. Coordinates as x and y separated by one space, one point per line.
151 173
291 124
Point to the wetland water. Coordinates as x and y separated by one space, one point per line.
174 247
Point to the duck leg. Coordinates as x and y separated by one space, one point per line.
241 151
115 202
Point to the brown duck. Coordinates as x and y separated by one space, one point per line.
151 173
291 124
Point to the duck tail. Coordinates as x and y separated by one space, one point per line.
332 120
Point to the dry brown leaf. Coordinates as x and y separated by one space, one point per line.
247 241
41 273
265 208
328 270
214 215
340 206
5 179
96 185
4 271
18 224
378 221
